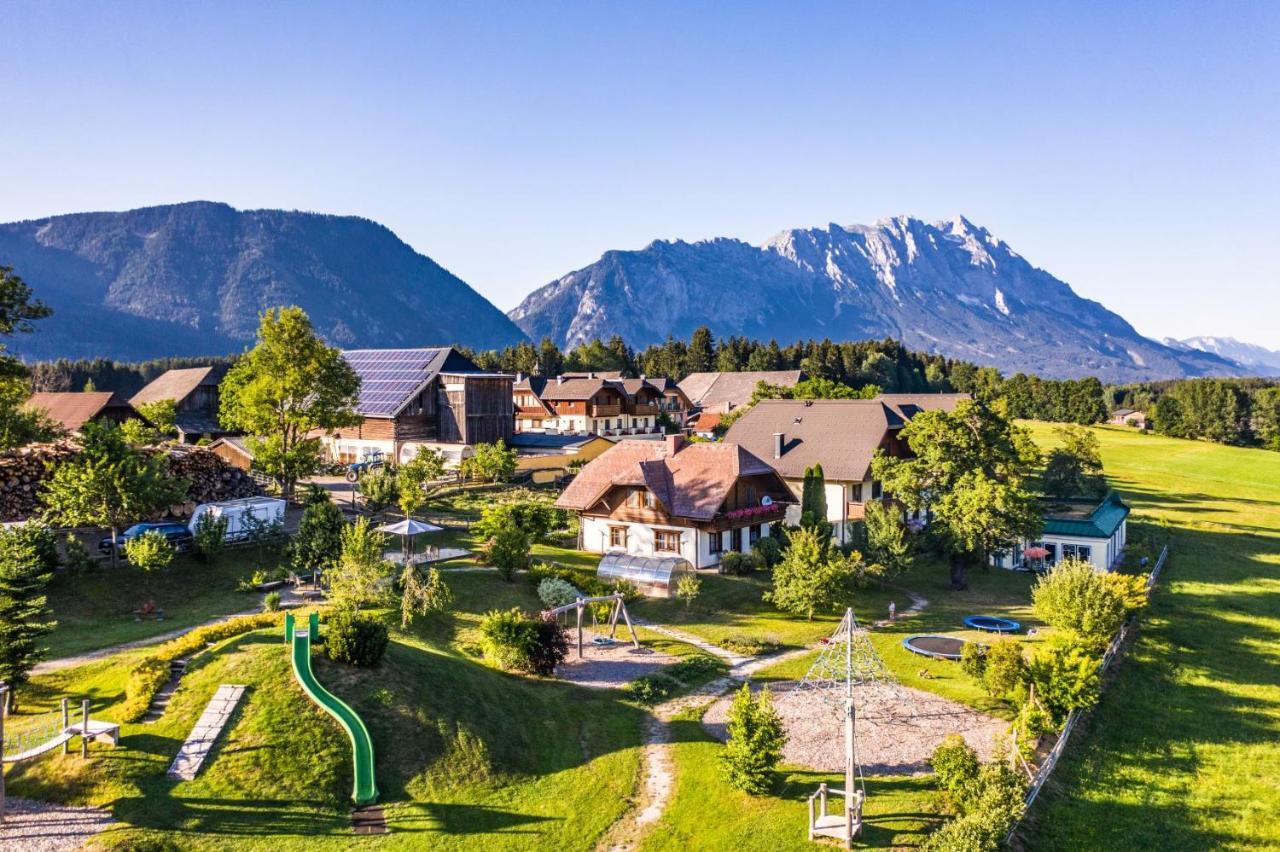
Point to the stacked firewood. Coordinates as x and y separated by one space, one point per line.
21 472
211 479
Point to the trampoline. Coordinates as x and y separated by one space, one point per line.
992 624
942 647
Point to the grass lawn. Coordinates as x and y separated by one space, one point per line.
94 609
1181 752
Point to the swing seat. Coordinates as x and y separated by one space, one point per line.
833 825
602 640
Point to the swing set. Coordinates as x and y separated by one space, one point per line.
618 608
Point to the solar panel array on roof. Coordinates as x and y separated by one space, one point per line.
388 377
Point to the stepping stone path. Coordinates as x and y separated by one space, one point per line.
160 702
200 741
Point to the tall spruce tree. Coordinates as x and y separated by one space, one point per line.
25 616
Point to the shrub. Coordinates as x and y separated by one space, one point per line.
361 573
379 488
148 552
769 549
1079 600
419 595
810 578
751 646
1131 589
652 688
1006 669
687 588
630 591
740 564
756 738
956 764
318 543
973 659
271 602
508 638
695 667
888 544
550 647
508 551
75 556
554 592
536 518
1032 722
1065 677
356 640
210 536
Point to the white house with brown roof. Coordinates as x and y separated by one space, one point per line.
588 404
675 498
841 435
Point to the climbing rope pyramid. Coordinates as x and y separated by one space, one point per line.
849 664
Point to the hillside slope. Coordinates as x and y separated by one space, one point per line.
948 287
191 279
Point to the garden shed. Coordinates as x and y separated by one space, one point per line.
654 576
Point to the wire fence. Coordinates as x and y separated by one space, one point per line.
1051 760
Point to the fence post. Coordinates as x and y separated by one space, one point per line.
84 731
4 705
66 723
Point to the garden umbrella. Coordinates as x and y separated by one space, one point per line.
407 529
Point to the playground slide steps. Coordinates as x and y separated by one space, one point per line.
160 702
207 728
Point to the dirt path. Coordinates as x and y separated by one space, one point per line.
658 765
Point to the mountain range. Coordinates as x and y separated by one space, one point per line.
948 287
1258 360
191 279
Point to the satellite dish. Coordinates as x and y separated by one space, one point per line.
766 500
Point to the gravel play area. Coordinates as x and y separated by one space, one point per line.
610 666
898 728
31 826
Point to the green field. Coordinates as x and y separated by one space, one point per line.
1181 753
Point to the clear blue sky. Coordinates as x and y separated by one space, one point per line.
1132 149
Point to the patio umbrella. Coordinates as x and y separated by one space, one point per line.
1036 552
407 529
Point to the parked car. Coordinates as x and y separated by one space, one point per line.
177 534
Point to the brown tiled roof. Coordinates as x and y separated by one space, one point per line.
575 388
706 421
726 391
72 410
840 434
908 405
176 384
690 483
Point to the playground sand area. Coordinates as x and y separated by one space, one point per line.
31 826
610 666
897 728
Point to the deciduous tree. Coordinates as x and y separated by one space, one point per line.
290 385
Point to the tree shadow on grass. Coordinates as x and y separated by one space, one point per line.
457 818
160 809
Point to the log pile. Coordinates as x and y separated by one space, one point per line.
21 472
211 479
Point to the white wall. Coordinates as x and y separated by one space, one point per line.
1103 553
695 544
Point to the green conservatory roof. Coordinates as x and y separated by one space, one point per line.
1101 522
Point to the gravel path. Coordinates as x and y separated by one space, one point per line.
610 666
31 826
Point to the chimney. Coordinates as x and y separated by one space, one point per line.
777 444
675 443
519 377
559 380
643 377
591 375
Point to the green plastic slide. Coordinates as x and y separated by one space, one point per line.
365 789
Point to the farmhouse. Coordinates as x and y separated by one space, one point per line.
1083 529
841 435
72 410
723 392
590 404
674 498
414 399
194 391
1129 417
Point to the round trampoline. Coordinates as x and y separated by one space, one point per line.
942 647
992 624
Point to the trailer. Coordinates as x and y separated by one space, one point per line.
243 515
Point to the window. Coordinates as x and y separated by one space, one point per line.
666 541
855 492
875 490
715 542
634 499
735 539
617 536
754 534
1077 551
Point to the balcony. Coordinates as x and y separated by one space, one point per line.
646 409
613 409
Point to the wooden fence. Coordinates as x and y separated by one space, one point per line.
1113 651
